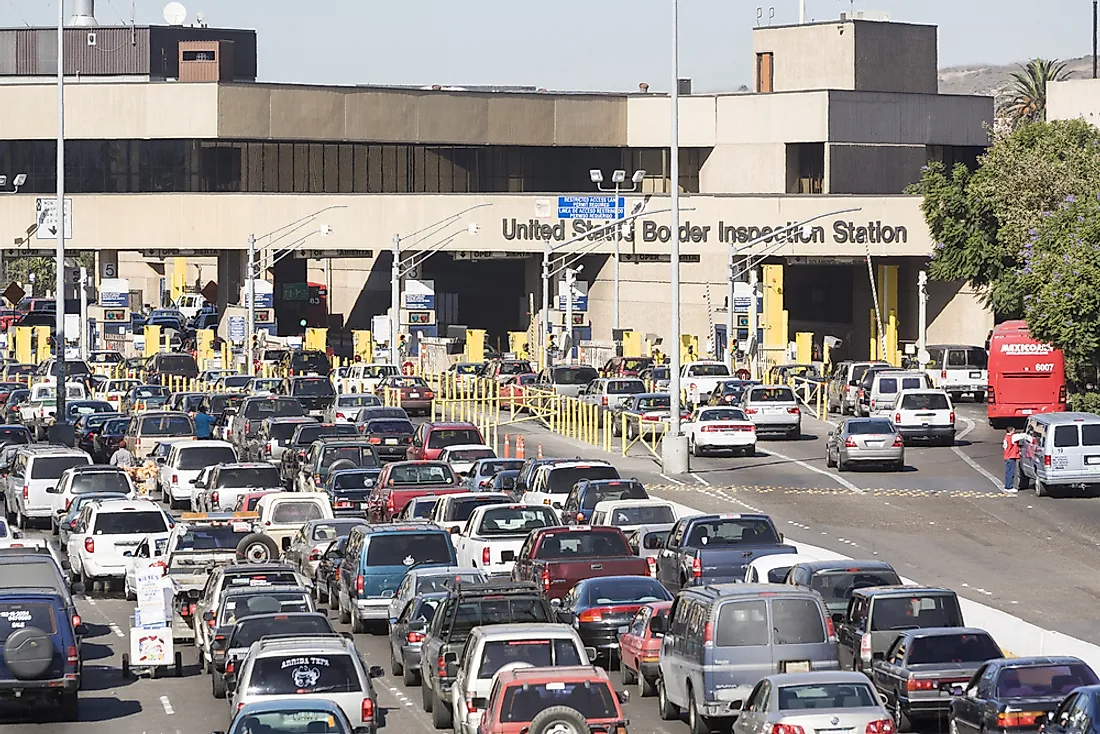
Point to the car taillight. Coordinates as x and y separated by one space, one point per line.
692 386
175 479
428 394
190 609
240 706
247 426
651 566
340 415
359 584
830 629
1062 395
315 555
880 726
580 517
68 503
76 620
850 443
990 395
591 615
697 567
920 685
230 666
441 666
708 634
1018 719
342 504
897 418
943 374
26 491
367 712
603 400
787 729
952 417
794 411
375 439
267 449
415 637
485 555
1046 460
470 708
71 655
545 580
214 497
898 441
89 545
865 647
752 411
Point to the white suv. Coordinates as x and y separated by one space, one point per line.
106 532
86 479
185 461
34 471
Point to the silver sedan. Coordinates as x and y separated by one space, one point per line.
807 702
865 441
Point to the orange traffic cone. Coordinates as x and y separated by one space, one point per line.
507 447
540 451
519 448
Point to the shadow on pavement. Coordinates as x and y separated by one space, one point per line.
94 651
91 709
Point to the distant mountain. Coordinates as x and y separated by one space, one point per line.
992 81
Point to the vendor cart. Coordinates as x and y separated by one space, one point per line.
151 645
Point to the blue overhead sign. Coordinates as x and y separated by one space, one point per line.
114 300
591 207
236 329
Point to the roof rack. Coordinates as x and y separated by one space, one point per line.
460 586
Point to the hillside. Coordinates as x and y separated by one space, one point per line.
993 80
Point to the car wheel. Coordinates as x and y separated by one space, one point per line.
131 595
901 720
829 459
217 685
411 677
841 465
1021 481
426 697
396 668
696 724
979 397
647 686
55 529
441 713
357 627
257 548
626 675
693 448
1041 489
667 710
345 615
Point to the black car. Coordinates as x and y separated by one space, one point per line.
349 489
162 367
598 607
1016 694
335 453
299 443
1075 715
229 649
106 441
379 412
836 580
316 394
75 409
218 402
305 362
14 434
11 405
390 436
41 666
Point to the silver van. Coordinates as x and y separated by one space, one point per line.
568 380
36 470
1060 450
959 370
722 639
883 395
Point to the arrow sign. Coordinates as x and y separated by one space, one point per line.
45 209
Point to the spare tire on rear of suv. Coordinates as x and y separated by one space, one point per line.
560 720
257 548
341 465
28 653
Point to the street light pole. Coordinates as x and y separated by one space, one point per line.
395 298
59 331
674 446
546 252
567 342
251 275
617 177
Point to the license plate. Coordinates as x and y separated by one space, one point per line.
976 375
414 395
1027 411
391 441
364 505
799 666
1092 460
876 444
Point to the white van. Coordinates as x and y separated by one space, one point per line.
189 304
1060 450
36 470
959 370
883 395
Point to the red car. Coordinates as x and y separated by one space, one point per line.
573 698
640 648
514 387
401 482
432 438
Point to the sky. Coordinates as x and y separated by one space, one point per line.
598 45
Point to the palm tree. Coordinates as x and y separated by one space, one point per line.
1028 90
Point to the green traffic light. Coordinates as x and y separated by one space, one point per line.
302 323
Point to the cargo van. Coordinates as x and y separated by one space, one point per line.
36 470
883 395
1060 450
959 370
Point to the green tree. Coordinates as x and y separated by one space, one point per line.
980 220
1028 89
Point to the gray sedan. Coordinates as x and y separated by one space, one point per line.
865 441
833 701
407 635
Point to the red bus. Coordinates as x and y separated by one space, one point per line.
1025 376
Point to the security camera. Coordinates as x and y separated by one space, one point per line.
325 230
618 176
638 176
473 228
596 175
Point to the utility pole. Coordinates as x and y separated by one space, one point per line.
1095 20
83 312
59 331
922 312
546 252
395 299
567 341
251 291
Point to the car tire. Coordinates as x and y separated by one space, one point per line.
257 548
217 685
557 719
442 717
396 668
841 465
829 459
425 696
626 675
131 595
647 687
667 710
1021 481
55 529
345 616
411 677
901 720
697 724
29 653
693 448
1041 489
357 626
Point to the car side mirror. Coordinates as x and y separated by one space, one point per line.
829 434
17 534
160 460
52 490
128 554
737 705
455 530
657 625
623 696
376 671
480 703
418 625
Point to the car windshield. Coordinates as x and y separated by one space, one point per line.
253 476
722 414
952 648
460 509
303 675
292 720
731 531
408 549
282 431
538 653
236 381
409 383
655 402
236 606
912 612
16 615
1040 681
574 375
870 427
251 629
514 368
593 699
266 578
924 401
421 508
89 408
625 387
441 438
771 395
290 512
100 481
626 590
166 425
838 585
177 363
317 387
369 414
51 467
333 529
444 581
643 515
351 480
362 400
272 407
393 427
104 357
116 426
708 370
827 696
471 454
516 520
310 362
312 431
612 491
561 479
423 474
200 457
212 537
361 456
491 467
583 544
129 522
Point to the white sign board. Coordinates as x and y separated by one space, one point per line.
419 294
45 210
380 329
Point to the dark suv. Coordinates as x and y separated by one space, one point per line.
171 365
40 664
305 363
315 394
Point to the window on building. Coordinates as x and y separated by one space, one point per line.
765 72
805 168
952 155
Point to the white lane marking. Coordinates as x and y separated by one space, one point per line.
810 467
997 482
702 481
116 630
674 481
90 600
167 705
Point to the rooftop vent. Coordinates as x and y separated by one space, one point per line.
83 14
643 88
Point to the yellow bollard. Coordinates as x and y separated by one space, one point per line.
23 344
42 343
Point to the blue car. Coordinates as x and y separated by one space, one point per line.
587 493
40 665
349 489
290 714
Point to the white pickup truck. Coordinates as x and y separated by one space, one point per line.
364 377
494 534
39 413
700 379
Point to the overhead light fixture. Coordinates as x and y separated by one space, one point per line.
638 176
20 180
596 175
618 176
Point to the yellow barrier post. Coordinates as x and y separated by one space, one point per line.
42 343
23 336
805 344
152 340
632 344
475 345
517 343
316 339
205 341
362 345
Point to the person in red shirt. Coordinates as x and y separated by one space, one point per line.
1011 446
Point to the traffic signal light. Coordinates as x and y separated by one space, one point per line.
302 323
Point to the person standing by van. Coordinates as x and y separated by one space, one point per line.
1011 446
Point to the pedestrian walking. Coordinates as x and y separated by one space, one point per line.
122 458
204 423
1011 446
